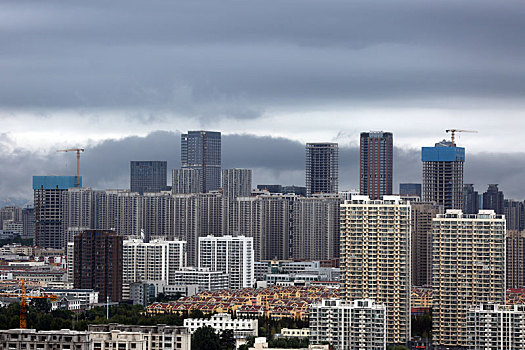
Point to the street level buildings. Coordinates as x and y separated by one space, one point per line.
322 168
443 174
496 327
468 267
360 324
98 263
376 164
231 255
201 150
375 258
224 321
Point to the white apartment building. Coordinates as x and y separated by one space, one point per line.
360 324
64 339
468 268
496 327
231 255
204 278
117 339
376 258
157 260
221 322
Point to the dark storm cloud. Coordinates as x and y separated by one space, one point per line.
274 160
237 59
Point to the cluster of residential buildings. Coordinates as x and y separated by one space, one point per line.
210 233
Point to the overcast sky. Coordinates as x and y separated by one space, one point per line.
124 78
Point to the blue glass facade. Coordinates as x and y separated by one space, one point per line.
55 182
442 154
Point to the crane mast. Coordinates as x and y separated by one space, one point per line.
78 150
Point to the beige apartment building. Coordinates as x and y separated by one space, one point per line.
468 268
375 258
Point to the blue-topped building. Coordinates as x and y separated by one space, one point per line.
443 174
55 182
48 192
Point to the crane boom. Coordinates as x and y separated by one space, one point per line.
453 134
78 150
23 301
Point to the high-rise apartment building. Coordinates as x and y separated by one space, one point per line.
267 218
470 199
316 227
148 176
48 191
186 181
410 190
376 164
28 222
514 214
360 324
515 252
231 255
156 260
322 168
98 263
496 327
493 199
468 267
235 183
201 150
375 258
443 174
422 215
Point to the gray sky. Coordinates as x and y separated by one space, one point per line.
109 75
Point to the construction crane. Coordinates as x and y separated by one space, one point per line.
23 301
453 134
78 150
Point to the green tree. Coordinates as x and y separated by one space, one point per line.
205 338
40 305
227 340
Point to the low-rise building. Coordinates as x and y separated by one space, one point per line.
360 324
159 337
295 333
223 321
116 339
496 327
204 278
23 339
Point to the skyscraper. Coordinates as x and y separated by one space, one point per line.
201 150
48 191
493 199
148 176
376 164
443 174
470 199
422 215
322 168
514 212
468 267
515 251
375 258
98 263
235 183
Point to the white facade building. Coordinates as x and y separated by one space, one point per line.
360 324
231 255
157 260
204 278
496 327
221 322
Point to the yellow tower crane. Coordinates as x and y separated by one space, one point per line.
23 301
78 150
